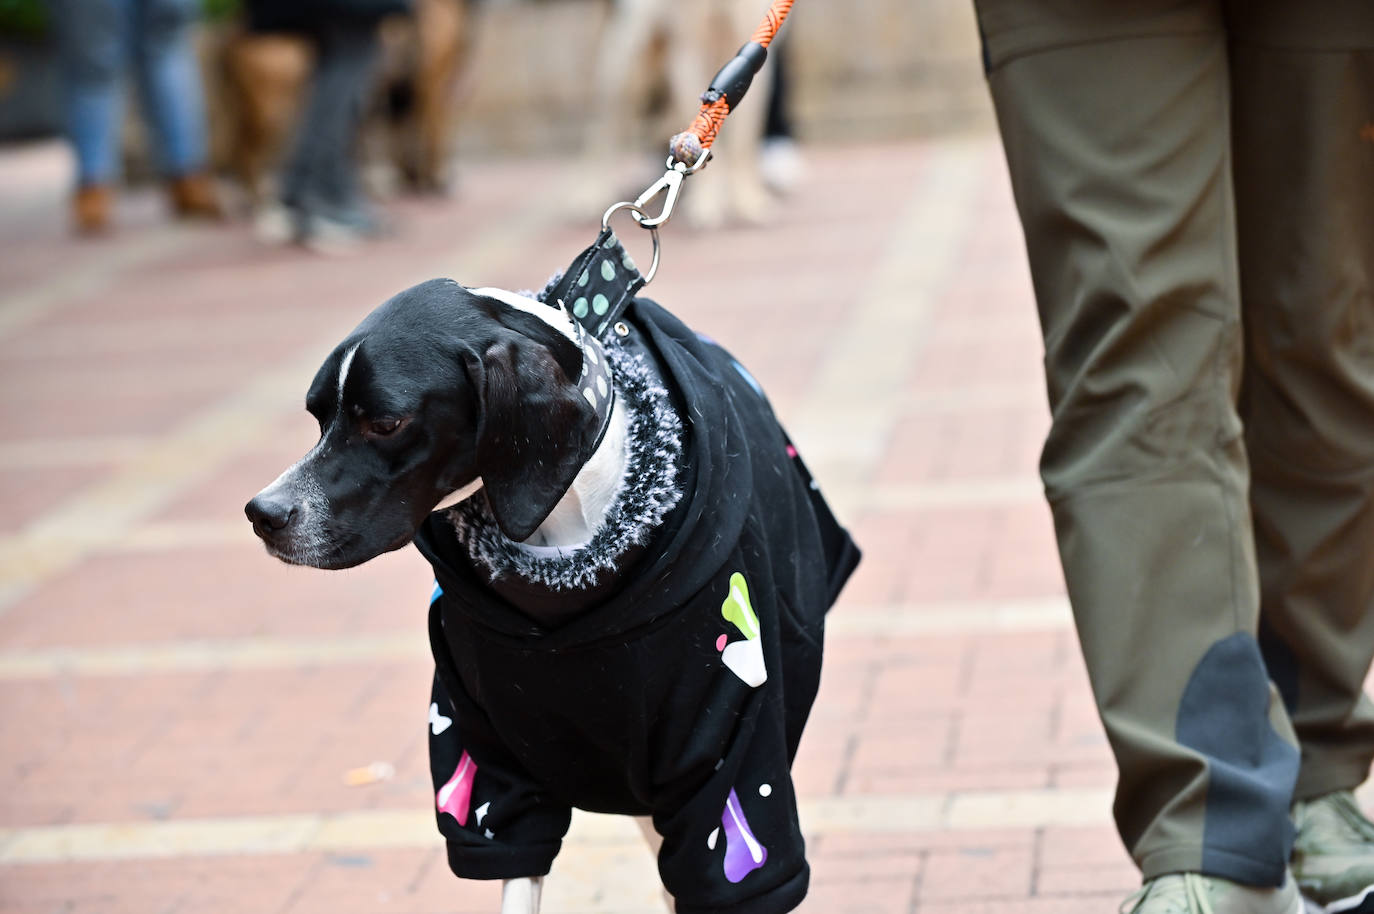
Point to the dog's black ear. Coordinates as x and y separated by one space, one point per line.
567 353
534 433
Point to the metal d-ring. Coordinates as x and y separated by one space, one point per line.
635 210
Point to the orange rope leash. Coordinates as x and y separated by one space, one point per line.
728 88
772 21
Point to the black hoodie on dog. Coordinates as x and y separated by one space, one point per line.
679 691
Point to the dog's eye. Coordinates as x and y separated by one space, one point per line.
381 428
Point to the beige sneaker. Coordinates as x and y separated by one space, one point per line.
1333 854
1193 893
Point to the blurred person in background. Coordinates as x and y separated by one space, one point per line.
321 201
1196 183
99 43
780 159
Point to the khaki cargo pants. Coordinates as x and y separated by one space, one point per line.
1196 185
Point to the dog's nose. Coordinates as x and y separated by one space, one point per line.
269 514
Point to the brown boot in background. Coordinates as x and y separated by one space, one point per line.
194 197
91 208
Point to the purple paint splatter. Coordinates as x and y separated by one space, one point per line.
743 852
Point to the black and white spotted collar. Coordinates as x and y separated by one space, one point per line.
597 383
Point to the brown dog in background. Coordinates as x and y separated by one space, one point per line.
264 76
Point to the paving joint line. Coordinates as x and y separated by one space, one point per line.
406 646
376 829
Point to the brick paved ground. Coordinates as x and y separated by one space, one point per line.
177 711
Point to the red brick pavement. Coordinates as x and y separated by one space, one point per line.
944 681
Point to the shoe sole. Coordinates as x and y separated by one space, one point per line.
1363 903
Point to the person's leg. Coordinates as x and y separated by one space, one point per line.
299 164
321 176
173 101
1304 140
780 160
169 83
778 121
1113 117
1303 133
91 49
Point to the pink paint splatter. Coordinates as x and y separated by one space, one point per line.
455 797
791 451
720 643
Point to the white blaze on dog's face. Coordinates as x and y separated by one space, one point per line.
438 386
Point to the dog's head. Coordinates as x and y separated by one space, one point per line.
437 387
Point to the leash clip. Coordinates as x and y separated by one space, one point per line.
670 186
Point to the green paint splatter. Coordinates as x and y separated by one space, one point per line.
736 608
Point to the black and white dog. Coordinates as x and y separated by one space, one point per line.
633 570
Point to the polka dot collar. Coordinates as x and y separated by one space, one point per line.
596 383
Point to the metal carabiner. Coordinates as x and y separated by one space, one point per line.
670 186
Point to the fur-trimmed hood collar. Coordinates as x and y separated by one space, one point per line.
646 493
695 536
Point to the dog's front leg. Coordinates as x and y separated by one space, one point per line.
521 896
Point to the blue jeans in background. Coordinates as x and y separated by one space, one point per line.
99 42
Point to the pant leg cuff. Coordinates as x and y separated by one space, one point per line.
1219 863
